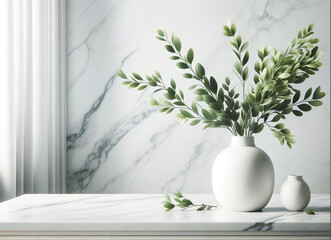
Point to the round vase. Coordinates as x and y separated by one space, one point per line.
295 193
243 176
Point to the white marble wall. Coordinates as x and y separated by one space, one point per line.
117 143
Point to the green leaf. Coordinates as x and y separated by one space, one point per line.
245 73
203 206
258 128
181 94
227 81
308 93
310 27
160 32
285 131
239 40
280 126
169 96
233 29
284 75
167 197
158 74
290 140
315 103
313 51
187 202
238 128
170 110
213 85
206 114
169 48
126 82
160 38
169 206
227 31
182 65
297 113
153 102
296 97
310 211
318 94
187 75
195 122
174 57
199 70
225 87
173 83
246 58
190 55
178 200
142 87
304 107
176 42
178 103
234 116
152 83
276 118
237 66
209 207
133 85
164 110
201 91
260 54
171 91
194 108
244 46
192 87
299 34
121 74
178 194
186 113
137 76
287 110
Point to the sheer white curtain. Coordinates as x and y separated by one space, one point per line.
32 97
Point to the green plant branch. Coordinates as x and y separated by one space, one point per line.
183 203
271 99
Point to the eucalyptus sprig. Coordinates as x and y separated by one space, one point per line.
271 99
183 203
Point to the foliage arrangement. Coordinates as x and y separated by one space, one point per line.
271 98
183 203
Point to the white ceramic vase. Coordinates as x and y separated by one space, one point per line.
295 193
243 176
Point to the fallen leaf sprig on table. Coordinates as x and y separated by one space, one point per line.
183 203
310 211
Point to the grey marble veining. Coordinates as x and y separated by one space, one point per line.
117 143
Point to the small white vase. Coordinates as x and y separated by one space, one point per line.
243 176
295 193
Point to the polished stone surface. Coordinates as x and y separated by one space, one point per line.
117 143
133 212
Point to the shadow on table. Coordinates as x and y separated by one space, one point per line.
282 209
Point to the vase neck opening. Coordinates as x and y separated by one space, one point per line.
294 177
238 141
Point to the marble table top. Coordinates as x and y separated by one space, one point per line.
144 212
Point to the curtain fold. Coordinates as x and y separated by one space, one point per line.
32 133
